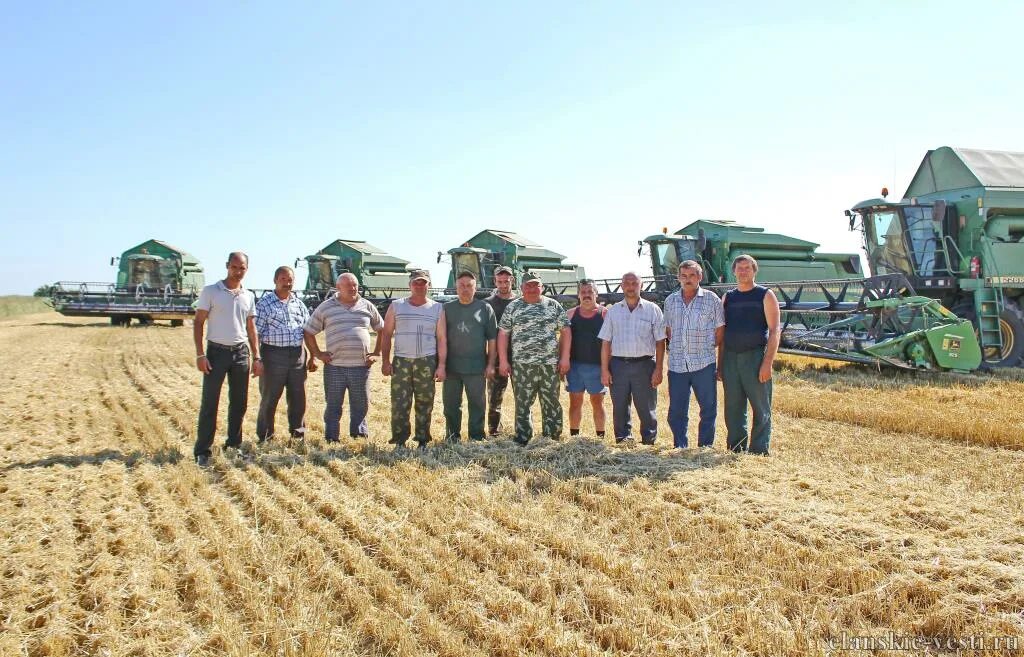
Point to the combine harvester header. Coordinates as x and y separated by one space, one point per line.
154 281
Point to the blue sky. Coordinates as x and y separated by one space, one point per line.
278 128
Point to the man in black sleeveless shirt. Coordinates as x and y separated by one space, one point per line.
751 342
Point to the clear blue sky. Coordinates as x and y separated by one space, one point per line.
279 127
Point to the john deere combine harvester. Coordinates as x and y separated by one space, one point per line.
958 237
491 248
382 277
154 281
829 310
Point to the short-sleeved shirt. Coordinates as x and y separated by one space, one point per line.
469 327
347 329
692 345
533 330
499 305
280 323
635 333
229 310
416 328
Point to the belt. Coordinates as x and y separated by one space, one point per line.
632 359
226 347
264 345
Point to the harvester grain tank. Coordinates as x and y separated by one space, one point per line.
382 276
716 243
491 248
155 281
958 237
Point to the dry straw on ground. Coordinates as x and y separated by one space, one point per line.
891 504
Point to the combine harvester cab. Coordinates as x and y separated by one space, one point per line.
155 281
382 277
491 248
958 237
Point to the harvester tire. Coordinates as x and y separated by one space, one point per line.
177 322
1011 322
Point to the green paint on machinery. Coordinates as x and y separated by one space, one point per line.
958 237
155 281
714 244
382 277
491 248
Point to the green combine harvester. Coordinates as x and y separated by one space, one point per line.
958 237
382 277
829 310
491 248
155 281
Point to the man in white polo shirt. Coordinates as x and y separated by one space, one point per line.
227 308
632 359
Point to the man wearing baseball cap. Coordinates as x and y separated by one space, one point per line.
538 330
416 327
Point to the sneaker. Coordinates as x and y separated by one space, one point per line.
203 461
299 433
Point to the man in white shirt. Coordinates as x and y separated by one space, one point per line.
632 360
228 308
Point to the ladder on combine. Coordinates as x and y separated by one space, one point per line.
988 305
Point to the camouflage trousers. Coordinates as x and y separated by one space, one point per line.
528 383
412 378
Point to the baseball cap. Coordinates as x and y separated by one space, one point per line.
503 270
530 277
417 274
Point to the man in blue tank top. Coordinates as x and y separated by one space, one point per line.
751 342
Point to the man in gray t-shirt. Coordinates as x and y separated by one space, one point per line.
471 333
346 318
227 309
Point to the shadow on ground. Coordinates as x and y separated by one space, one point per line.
542 460
867 376
538 464
166 456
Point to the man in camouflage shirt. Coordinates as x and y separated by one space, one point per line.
538 329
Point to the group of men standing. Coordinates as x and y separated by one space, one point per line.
477 346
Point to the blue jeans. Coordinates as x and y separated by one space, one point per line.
706 390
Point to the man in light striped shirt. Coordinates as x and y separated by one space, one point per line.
347 319
695 325
632 360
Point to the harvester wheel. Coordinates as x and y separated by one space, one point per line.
1011 325
177 322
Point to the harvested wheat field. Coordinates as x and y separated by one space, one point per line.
892 508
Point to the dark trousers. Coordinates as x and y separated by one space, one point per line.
451 395
284 370
631 381
232 363
495 392
740 384
706 390
356 381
